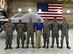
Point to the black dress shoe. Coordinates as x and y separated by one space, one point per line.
68 47
43 46
10 48
22 46
47 47
5 48
33 47
52 47
58 47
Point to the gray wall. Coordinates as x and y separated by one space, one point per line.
33 5
69 16
23 5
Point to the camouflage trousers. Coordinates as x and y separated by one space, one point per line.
20 37
55 35
30 35
46 37
66 37
8 39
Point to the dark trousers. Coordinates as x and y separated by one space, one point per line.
30 35
53 38
46 38
66 37
8 39
20 36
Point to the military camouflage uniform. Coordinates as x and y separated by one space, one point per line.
20 34
30 33
64 33
8 28
55 33
46 33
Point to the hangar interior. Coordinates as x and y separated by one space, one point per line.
12 7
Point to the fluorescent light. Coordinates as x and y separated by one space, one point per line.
68 11
29 10
39 10
19 9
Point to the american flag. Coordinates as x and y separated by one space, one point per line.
47 10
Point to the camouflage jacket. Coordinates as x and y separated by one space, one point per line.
20 28
46 27
64 27
8 28
55 27
30 27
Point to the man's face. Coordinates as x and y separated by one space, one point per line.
30 20
55 19
20 21
46 20
39 20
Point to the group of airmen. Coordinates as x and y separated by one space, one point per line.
40 29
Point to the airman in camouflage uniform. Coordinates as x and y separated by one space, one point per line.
46 33
20 34
64 33
55 32
8 28
30 33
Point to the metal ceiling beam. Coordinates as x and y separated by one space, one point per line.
49 1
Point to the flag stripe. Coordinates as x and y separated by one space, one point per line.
54 10
54 7
49 13
55 4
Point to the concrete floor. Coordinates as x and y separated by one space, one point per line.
35 50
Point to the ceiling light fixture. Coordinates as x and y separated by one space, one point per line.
68 11
29 10
19 9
